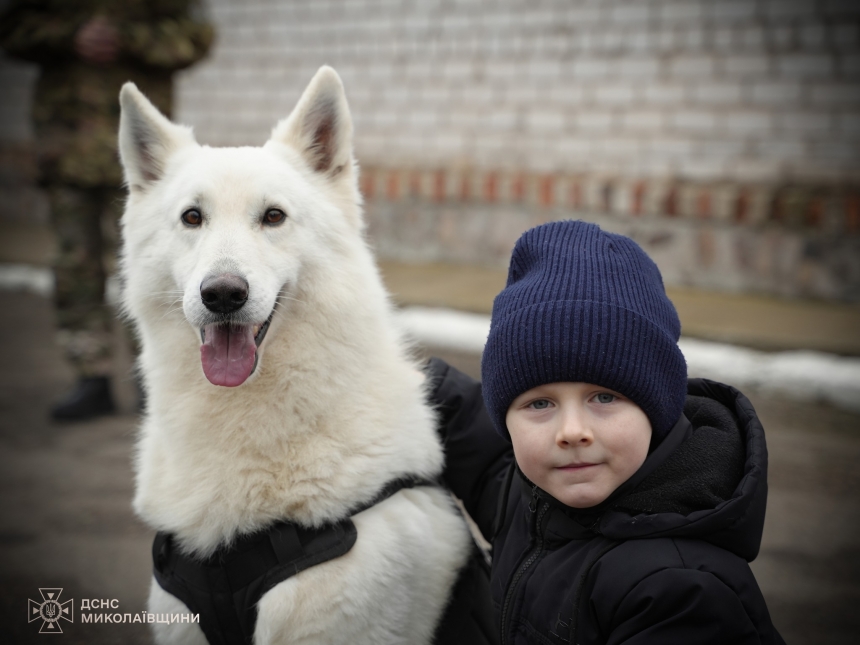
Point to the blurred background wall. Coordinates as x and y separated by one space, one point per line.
724 136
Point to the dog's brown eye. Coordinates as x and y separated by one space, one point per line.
192 217
274 216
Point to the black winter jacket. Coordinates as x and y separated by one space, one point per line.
663 560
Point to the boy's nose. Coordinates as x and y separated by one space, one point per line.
574 431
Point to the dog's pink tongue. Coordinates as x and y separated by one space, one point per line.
227 354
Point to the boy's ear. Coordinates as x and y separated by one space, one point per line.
147 139
320 126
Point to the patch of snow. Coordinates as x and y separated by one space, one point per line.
39 280
804 375
445 328
23 277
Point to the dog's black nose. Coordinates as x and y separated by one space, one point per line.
224 293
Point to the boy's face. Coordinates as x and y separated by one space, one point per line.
577 441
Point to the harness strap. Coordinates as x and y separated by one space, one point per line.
394 486
224 588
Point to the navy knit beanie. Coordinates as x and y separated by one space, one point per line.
585 305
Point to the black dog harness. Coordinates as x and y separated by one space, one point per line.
224 588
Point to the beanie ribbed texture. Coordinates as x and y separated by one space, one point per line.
585 305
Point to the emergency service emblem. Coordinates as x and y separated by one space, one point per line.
50 611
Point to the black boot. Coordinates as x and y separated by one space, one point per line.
90 398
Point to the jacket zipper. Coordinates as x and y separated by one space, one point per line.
530 560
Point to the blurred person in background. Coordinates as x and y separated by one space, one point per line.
85 51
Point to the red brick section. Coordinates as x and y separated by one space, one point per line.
703 204
491 187
670 205
852 212
393 185
832 208
439 186
367 184
778 210
636 206
742 207
815 212
546 186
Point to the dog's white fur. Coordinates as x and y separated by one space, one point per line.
334 409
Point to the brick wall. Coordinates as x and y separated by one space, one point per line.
751 90
730 236
723 135
730 127
719 89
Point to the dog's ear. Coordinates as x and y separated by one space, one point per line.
146 138
320 126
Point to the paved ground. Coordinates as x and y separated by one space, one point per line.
65 491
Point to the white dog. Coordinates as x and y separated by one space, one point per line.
278 384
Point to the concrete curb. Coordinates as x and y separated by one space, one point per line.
803 375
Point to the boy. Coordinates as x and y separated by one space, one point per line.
636 498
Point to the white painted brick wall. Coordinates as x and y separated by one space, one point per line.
711 89
717 93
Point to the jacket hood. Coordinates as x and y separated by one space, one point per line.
706 480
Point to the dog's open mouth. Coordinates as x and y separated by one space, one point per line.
229 351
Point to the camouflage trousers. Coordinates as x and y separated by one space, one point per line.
85 222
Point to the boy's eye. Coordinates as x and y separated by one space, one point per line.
605 397
540 404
